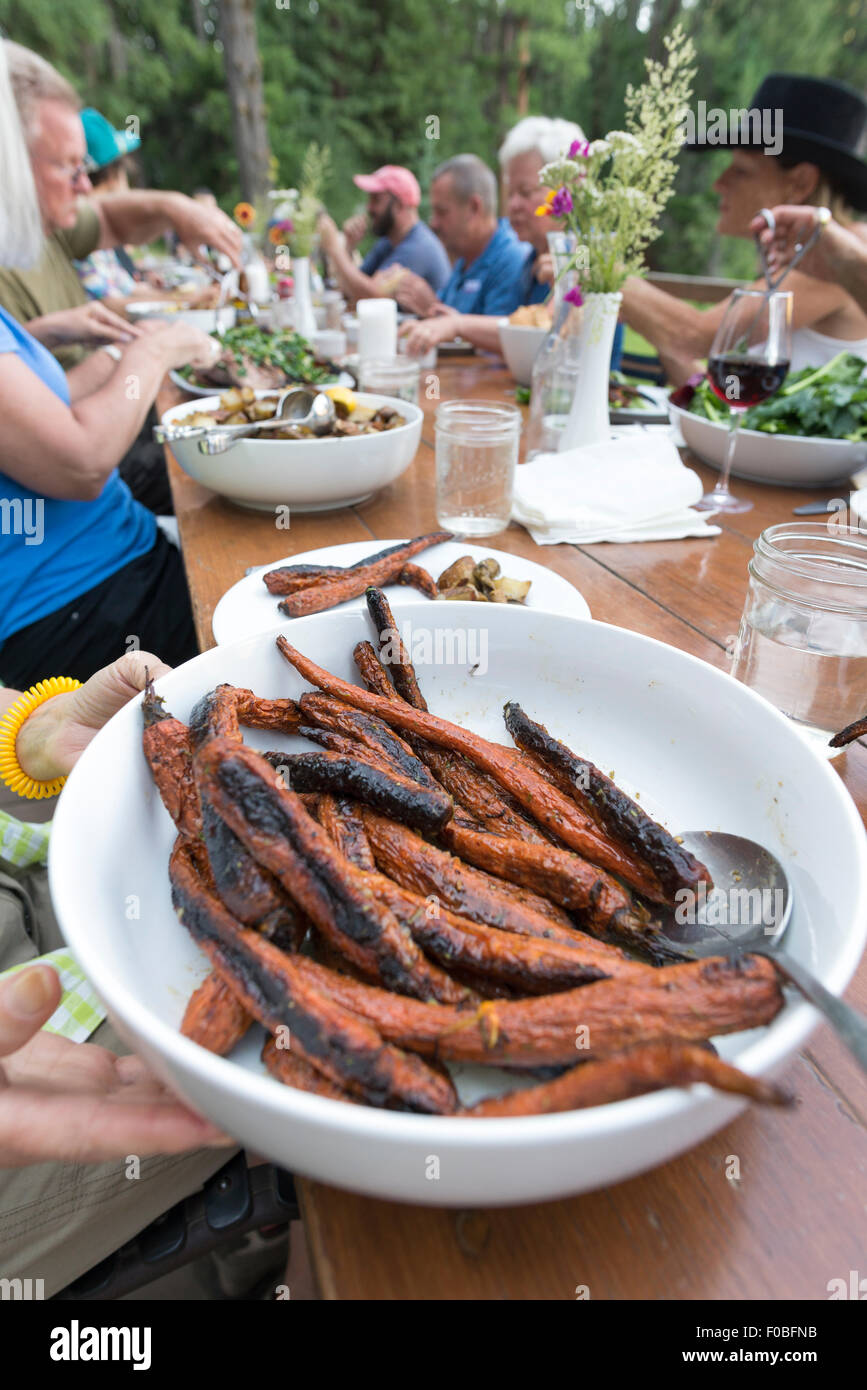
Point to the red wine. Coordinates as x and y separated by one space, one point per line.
744 381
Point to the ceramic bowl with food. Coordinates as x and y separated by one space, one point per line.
305 475
701 750
519 344
784 460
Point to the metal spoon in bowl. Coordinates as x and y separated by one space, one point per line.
301 406
745 873
294 406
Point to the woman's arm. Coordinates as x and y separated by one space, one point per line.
681 333
68 452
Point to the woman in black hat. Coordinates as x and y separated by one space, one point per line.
820 163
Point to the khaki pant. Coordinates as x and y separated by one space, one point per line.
58 1220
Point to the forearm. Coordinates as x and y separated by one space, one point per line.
479 329
675 328
44 329
88 376
137 216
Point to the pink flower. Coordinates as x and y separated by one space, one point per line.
579 149
561 203
574 296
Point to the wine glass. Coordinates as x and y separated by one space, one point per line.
748 362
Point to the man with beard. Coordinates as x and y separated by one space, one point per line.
405 243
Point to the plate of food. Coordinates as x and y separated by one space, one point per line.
812 433
436 565
264 360
418 982
633 404
373 440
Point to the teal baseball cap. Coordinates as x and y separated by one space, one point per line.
104 143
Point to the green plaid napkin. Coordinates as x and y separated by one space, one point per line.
79 1012
23 842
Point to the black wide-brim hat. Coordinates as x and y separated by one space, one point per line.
823 122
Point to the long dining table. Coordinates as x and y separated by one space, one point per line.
789 1216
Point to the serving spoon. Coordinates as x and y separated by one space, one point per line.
297 405
741 867
301 406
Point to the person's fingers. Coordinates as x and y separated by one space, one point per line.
27 1000
78 1129
108 690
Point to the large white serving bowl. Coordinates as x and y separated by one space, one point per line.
784 460
519 344
307 475
702 750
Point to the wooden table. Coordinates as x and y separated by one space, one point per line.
795 1218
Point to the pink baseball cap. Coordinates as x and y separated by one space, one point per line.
391 178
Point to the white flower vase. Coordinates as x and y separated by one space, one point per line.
305 319
588 416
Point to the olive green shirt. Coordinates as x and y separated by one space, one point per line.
53 282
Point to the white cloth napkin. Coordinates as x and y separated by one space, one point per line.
630 489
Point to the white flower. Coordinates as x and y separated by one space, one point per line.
622 140
599 147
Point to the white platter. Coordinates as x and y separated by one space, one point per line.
248 607
702 750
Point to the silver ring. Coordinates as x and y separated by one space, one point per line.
799 246
769 218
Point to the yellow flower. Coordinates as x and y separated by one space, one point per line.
275 236
544 209
244 214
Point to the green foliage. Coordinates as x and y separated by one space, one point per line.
366 78
828 402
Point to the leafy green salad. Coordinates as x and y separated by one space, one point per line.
287 351
827 402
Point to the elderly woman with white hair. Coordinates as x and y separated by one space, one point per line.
532 143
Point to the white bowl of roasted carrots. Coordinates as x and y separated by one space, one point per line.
304 475
440 1030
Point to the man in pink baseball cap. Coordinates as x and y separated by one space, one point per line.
404 243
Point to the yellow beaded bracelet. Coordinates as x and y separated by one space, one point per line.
11 771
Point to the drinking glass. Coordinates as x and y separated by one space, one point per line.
802 641
476 455
748 362
391 376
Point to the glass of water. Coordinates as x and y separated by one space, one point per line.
802 641
390 376
476 455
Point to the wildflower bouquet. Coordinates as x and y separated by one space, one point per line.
293 211
611 193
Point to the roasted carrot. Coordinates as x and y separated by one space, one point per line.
341 1045
527 964
546 803
248 891
288 579
354 582
425 869
330 713
398 663
604 904
383 789
341 819
282 716
849 734
292 1069
215 1018
647 1067
417 578
688 1002
614 811
166 745
337 897
215 716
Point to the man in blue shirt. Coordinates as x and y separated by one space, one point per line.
489 260
405 244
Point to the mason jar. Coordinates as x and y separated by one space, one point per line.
802 641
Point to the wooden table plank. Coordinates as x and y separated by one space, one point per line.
795 1217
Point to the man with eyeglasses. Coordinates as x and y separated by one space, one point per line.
49 299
